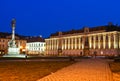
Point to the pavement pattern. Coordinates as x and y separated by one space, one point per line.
85 70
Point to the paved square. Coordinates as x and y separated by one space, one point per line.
85 70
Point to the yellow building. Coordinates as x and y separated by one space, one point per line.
100 40
6 37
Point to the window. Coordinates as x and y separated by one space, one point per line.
39 44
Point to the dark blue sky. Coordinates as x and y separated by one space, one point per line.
43 17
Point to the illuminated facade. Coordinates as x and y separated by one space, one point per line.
35 45
6 37
101 40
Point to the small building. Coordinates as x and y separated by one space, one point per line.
35 45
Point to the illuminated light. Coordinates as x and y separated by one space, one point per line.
26 47
21 47
119 40
72 44
90 42
68 43
94 42
115 41
75 43
23 50
82 46
99 42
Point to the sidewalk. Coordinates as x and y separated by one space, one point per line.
86 70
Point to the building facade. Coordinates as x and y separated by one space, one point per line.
101 40
35 45
6 37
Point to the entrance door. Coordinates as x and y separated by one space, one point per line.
59 51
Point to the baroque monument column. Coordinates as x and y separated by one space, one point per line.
13 49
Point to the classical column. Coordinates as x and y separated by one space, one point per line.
83 43
94 40
50 45
13 23
71 43
104 40
115 44
90 45
79 42
99 45
68 43
57 43
65 43
119 41
54 44
62 44
46 44
75 43
109 41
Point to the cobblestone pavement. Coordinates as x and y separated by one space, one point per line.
85 70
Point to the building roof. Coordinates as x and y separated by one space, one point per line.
6 34
34 39
106 28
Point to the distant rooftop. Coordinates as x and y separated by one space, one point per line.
34 39
5 34
107 28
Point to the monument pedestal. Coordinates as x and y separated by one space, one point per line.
14 52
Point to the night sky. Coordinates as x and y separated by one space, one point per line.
43 17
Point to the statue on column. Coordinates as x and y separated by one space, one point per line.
13 48
11 43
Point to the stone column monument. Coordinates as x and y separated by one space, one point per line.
13 49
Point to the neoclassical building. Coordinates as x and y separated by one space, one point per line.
35 45
100 40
